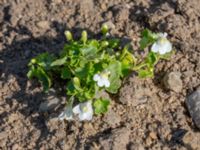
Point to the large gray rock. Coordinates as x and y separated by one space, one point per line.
193 105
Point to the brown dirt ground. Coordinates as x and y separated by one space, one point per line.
153 118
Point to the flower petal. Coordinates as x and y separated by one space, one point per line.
62 116
166 47
106 83
162 35
155 47
96 77
100 83
89 117
165 34
85 116
82 114
67 114
89 106
76 109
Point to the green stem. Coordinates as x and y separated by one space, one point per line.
139 66
71 101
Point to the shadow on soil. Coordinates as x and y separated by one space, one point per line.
142 14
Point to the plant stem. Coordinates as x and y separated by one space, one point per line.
139 66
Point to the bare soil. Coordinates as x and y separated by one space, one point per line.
144 115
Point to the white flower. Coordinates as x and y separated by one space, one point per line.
67 114
84 110
162 45
102 79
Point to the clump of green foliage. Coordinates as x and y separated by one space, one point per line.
88 66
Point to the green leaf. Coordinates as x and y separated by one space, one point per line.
71 90
44 60
151 59
101 106
65 73
113 43
114 78
71 49
32 72
43 78
148 38
77 84
85 72
89 51
127 61
89 94
59 62
41 75
145 73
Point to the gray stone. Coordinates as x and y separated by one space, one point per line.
193 105
173 81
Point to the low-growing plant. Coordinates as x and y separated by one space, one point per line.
88 66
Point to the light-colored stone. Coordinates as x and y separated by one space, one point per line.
173 81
